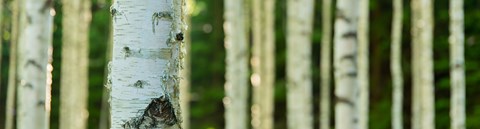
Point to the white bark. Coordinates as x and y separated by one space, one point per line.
345 61
363 52
263 63
236 86
74 81
422 37
326 67
457 64
396 65
35 37
147 56
299 80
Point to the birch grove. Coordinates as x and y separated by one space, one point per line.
147 56
74 83
263 63
422 58
457 65
35 37
325 64
396 65
363 70
236 76
345 61
299 80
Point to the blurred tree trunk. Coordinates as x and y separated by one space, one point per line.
422 34
12 72
299 80
363 69
457 111
185 72
74 81
396 65
147 56
1 38
326 64
236 86
35 38
345 61
263 63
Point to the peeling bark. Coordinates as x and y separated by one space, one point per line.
236 75
347 87
457 65
144 75
299 76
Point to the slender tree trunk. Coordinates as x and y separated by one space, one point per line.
147 56
363 69
299 80
1 38
326 66
422 34
74 81
263 65
396 65
185 72
12 72
236 86
457 111
35 37
345 61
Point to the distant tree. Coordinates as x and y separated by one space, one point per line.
457 62
74 81
299 76
263 63
12 72
35 27
422 58
144 71
345 61
396 65
326 64
236 85
363 69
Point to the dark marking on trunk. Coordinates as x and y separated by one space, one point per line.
157 16
41 103
344 100
47 5
350 34
341 16
457 65
140 84
159 112
33 63
29 19
127 51
28 85
347 57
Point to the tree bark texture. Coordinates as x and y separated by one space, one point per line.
457 65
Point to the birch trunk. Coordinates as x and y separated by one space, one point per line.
345 61
147 56
326 67
185 72
457 111
263 65
299 80
12 72
74 81
35 37
363 43
396 65
422 34
236 86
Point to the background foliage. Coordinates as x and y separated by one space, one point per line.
208 62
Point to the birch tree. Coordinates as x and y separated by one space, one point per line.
299 80
326 67
345 61
35 37
74 81
263 63
147 56
185 72
422 58
396 65
363 53
236 85
457 64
